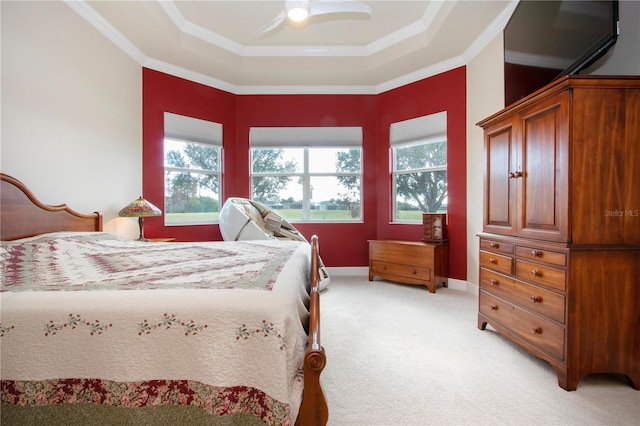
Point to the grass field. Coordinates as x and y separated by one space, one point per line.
289 214
190 218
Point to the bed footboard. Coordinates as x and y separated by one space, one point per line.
314 410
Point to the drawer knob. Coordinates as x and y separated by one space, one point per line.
494 307
536 253
515 175
494 281
536 273
494 245
536 330
536 299
414 272
493 260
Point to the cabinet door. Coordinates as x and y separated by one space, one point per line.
542 186
499 188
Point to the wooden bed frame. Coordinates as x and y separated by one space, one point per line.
23 215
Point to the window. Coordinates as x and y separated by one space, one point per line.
192 170
419 151
308 174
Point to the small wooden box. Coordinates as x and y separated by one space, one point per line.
435 227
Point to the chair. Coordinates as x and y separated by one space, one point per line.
244 219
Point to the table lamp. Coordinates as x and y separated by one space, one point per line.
140 208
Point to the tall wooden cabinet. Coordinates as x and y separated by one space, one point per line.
560 247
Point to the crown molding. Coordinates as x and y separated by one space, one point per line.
186 74
411 30
103 26
495 28
97 21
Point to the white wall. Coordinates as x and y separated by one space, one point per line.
485 95
71 109
624 56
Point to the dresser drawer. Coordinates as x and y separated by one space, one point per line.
547 275
541 333
387 269
496 262
546 256
531 297
496 246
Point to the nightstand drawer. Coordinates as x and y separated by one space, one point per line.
408 271
542 274
543 334
496 262
529 296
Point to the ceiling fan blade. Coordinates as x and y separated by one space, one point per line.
273 24
334 6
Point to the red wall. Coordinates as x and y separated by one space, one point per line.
160 93
443 92
341 244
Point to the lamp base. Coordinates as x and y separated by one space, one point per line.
140 223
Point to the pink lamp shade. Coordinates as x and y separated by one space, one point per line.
140 208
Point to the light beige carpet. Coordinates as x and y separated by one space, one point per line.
399 355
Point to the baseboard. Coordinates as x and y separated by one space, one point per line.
463 285
351 271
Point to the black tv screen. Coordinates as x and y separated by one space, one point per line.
545 40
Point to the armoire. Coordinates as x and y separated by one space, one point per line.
559 254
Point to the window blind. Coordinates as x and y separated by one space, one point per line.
305 136
426 127
192 129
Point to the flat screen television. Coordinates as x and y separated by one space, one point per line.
545 40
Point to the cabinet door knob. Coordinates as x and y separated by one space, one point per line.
536 273
536 330
536 299
515 175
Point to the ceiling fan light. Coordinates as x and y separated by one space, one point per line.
298 14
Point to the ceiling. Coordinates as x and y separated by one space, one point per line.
217 42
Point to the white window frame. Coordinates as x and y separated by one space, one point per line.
307 139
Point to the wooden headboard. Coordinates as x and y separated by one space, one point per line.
23 215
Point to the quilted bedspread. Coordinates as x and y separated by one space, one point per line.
91 318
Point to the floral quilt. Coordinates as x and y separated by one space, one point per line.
91 318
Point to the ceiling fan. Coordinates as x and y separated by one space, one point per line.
299 10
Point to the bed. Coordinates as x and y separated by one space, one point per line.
99 330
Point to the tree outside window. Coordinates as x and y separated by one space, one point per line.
419 178
192 182
308 183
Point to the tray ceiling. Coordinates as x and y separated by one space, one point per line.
217 42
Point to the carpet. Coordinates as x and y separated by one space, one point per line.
399 355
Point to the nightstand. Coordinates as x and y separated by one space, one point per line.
410 262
